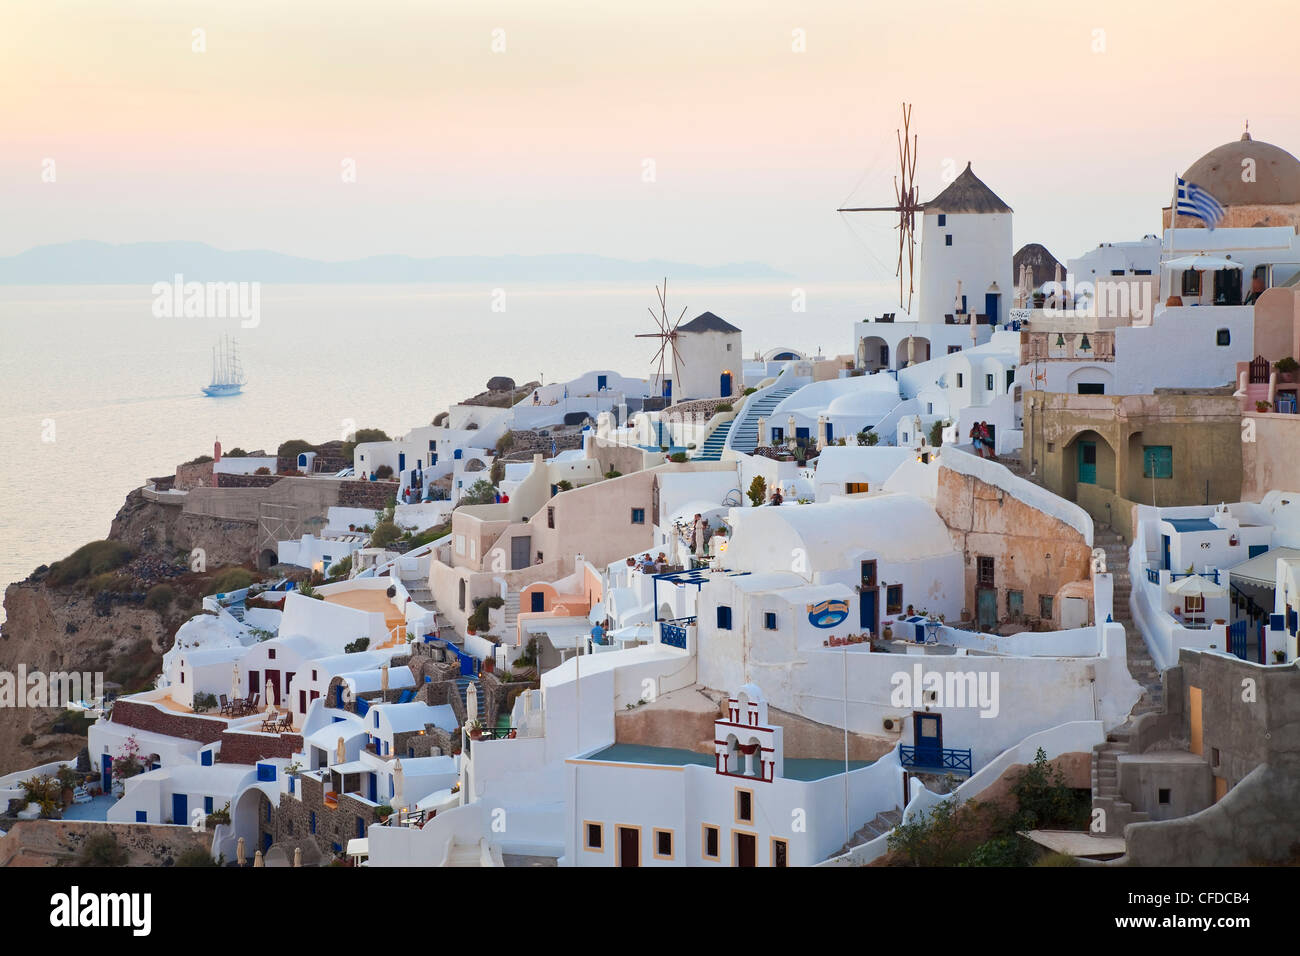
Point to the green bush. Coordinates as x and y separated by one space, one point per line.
354 647
293 448
102 849
613 474
236 453
1287 364
232 579
383 472
479 493
160 597
936 434
97 557
478 619
200 460
109 581
195 856
204 702
385 533
724 407
757 493
868 438
431 534
339 570
563 485
749 391
678 457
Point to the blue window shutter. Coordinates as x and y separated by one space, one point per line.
141 816
724 617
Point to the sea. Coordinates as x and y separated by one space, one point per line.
99 393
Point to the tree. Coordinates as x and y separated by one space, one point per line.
868 437
757 492
936 433
564 485
480 493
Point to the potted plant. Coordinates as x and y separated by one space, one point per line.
1279 656
1262 406
475 729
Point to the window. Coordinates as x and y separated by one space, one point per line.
1214 756
953 348
270 653
1223 337
595 837
894 599
311 822
313 675
462 592
929 408
207 804
1044 605
724 617
1191 283
869 574
960 379
778 435
769 621
984 571
663 845
1092 388
780 853
943 219
266 772
1194 604
744 806
550 517
1163 795
1157 461
638 516
947 239
988 382
856 488
710 842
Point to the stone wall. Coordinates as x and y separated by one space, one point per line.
59 842
366 494
335 826
225 480
193 476
1033 552
144 716
248 748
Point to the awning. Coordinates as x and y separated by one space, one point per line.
564 633
1203 263
359 847
1261 570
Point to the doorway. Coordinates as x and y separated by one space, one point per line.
867 610
986 601
1087 463
629 846
520 549
724 385
927 738
746 849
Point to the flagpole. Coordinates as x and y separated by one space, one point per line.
1173 221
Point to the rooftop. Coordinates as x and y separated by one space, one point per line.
806 769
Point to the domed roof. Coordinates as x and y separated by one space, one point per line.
1277 174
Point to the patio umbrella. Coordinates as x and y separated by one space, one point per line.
1195 584
234 683
341 752
257 859
383 678
399 783
239 852
297 856
1201 263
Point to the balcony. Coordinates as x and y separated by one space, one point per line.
935 760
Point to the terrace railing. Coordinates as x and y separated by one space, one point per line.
673 633
933 759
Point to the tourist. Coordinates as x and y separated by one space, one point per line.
697 534
986 440
777 497
537 398
975 438
505 499
598 634
1256 289
647 563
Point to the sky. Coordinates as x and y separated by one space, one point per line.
699 132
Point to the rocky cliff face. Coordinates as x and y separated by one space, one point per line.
66 629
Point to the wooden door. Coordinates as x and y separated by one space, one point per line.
1197 744
629 846
746 849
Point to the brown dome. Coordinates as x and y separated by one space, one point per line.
1277 174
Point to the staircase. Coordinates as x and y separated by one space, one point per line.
462 687
1105 757
760 405
236 610
711 450
878 827
511 609
479 854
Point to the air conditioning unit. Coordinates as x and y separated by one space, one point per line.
893 725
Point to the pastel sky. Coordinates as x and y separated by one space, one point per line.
541 148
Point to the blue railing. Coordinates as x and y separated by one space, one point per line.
674 635
1153 575
934 759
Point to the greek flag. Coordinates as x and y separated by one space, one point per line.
1196 202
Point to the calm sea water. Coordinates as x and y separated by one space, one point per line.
98 394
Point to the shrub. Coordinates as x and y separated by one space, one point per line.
613 474
203 702
341 569
200 460
263 471
97 557
1057 859
498 471
160 597
27 740
750 391
218 816
360 644
431 534
724 407
1287 364
236 452
293 448
479 493
936 434
757 492
369 434
678 457
385 533
195 856
563 485
110 582
383 472
866 437
102 849
478 619
232 579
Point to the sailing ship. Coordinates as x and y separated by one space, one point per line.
227 373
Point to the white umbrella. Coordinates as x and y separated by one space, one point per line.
270 694
1201 263
341 753
257 859
234 683
1195 584
297 856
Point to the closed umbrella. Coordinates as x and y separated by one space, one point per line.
297 856
257 859
239 852
234 683
341 752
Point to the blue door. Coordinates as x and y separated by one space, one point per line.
1087 463
1255 550
266 843
538 601
830 433
927 738
801 433
338 696
401 461
724 386
180 811
373 789
602 382
668 388
1164 551
106 763
991 306
867 610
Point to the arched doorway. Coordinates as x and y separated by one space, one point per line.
873 353
1088 460
267 559
724 386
